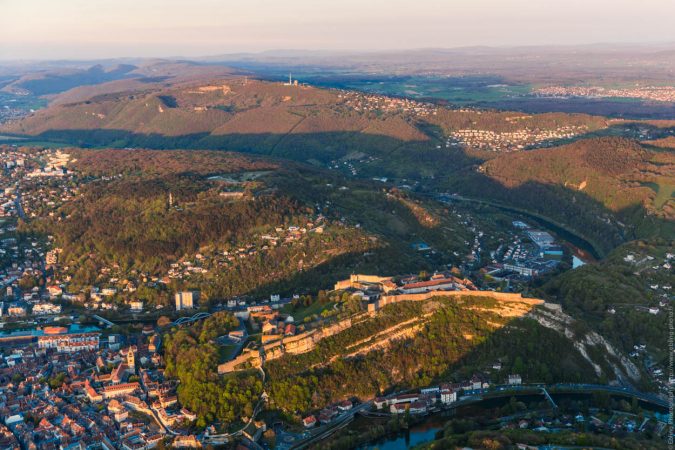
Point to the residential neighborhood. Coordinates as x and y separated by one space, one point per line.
654 93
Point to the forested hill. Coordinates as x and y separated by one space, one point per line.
617 172
231 224
608 190
624 297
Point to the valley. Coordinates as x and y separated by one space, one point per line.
283 257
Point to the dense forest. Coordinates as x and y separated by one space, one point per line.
173 207
192 357
613 296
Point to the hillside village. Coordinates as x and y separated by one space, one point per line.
361 102
105 388
346 225
508 141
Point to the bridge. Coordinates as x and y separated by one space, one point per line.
654 399
106 322
548 397
196 317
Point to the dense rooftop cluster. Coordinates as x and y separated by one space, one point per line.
362 102
511 140
653 93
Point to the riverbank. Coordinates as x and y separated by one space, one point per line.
397 432
585 247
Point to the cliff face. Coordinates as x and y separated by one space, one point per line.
623 369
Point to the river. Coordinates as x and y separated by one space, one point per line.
426 431
416 435
579 246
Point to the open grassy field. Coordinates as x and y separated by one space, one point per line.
664 192
457 90
225 352
315 308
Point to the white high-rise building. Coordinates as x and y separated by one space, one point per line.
186 300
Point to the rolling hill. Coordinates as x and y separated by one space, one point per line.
618 173
225 107
607 189
378 136
259 225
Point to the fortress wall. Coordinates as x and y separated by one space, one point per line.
301 343
357 278
368 278
231 366
344 284
306 342
501 296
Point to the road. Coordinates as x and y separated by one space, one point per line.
324 431
567 387
155 415
473 396
219 438
19 207
559 228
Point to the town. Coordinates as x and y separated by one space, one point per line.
530 254
71 376
361 102
654 93
508 141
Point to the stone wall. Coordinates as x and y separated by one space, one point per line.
301 343
501 296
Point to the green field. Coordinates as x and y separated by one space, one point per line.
664 192
225 352
315 308
457 90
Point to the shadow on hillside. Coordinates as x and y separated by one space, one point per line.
458 340
393 157
637 131
524 347
383 261
435 167
573 211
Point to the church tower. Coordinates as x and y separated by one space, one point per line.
131 359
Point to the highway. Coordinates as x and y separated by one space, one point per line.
573 387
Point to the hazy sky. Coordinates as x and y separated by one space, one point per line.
108 28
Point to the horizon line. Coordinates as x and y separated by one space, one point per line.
326 51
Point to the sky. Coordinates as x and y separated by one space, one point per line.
85 29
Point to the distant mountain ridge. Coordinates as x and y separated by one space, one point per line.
51 81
